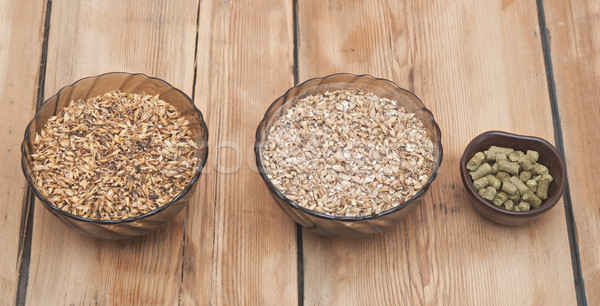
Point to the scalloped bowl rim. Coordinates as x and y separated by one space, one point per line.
49 205
295 205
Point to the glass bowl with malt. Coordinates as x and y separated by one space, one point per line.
348 155
117 155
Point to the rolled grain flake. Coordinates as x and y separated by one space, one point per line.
511 168
542 186
483 170
476 161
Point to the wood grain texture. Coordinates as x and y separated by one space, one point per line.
240 248
88 38
21 35
478 66
574 28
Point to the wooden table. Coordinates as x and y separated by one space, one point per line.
519 66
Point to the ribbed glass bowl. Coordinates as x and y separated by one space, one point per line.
347 227
128 83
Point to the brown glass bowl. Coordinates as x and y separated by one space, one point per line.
129 83
348 226
549 157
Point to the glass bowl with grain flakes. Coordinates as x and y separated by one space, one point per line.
117 155
348 155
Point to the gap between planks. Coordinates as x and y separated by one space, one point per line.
558 140
26 230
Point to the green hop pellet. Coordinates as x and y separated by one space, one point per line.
526 163
511 168
490 156
542 186
500 198
532 185
523 206
509 204
493 181
481 171
539 169
516 197
521 187
480 183
509 188
532 199
534 155
476 161
514 156
489 193
500 149
502 176
506 177
525 176
501 156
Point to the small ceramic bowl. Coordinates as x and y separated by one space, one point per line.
348 227
549 157
129 83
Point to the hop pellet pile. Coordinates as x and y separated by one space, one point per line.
114 156
348 153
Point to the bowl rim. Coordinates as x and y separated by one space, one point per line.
550 202
295 205
55 209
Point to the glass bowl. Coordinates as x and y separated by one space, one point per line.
348 227
129 83
549 157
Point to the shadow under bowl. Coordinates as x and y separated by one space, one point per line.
548 156
99 85
348 227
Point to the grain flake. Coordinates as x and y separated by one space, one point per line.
348 153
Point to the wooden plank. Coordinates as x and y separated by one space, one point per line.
240 248
21 35
478 66
88 38
574 30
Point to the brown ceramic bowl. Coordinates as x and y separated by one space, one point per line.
549 157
